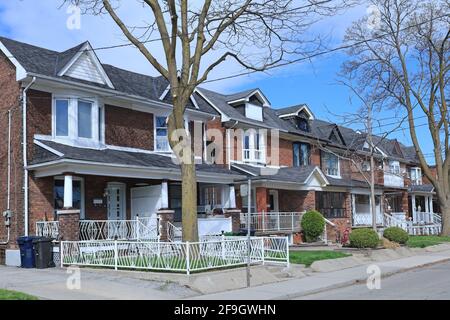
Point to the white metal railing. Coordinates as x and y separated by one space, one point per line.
138 229
184 257
365 219
47 229
424 230
389 220
173 232
324 236
272 221
420 218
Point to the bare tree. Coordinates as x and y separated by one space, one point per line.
402 54
257 34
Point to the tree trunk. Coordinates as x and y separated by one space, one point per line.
445 211
189 202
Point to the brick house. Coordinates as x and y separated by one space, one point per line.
85 141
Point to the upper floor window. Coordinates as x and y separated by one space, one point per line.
302 124
253 147
161 140
75 118
416 176
394 167
330 164
301 154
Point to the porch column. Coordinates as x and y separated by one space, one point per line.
427 204
164 195
165 217
232 197
431 204
261 199
413 206
68 191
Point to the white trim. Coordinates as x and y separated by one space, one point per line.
194 102
321 175
165 92
21 73
266 102
303 107
87 48
243 170
222 115
46 147
81 167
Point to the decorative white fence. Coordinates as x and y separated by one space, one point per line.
272 221
173 233
144 229
48 229
365 219
183 257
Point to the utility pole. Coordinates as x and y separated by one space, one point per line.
373 205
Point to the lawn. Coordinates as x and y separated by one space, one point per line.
425 241
307 257
14 295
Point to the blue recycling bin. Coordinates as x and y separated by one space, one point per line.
27 259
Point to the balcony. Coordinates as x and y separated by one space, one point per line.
393 180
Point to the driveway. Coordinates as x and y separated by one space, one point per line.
56 283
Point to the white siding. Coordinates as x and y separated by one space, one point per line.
253 112
85 69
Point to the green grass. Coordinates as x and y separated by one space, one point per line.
14 295
307 257
425 241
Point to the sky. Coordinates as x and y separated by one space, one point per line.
314 82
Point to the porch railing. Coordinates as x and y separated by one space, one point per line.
272 221
143 229
365 219
183 257
420 218
173 232
47 229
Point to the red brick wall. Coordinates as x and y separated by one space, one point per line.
262 199
296 201
216 127
69 229
315 156
341 224
41 206
128 128
39 116
10 99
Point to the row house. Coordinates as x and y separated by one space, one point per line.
84 143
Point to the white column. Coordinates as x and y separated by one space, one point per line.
232 198
68 191
413 206
164 195
431 204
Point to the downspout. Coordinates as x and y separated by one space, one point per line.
229 144
24 151
8 199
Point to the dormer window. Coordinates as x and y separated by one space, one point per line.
253 111
302 124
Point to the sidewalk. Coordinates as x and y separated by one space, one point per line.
318 282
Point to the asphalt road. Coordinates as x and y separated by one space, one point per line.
427 283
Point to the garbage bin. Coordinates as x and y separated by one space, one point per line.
26 251
43 252
243 232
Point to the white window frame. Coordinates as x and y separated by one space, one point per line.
155 129
72 136
417 180
394 167
250 107
254 155
325 154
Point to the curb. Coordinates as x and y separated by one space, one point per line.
354 281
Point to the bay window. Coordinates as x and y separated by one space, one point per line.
253 148
416 176
301 154
161 131
331 164
76 119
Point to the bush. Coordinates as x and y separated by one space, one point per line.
396 234
313 224
364 238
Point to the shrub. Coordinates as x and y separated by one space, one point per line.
396 234
364 238
312 225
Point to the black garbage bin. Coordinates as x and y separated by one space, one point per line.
27 259
43 252
243 232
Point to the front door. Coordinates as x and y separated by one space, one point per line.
145 201
116 202
273 200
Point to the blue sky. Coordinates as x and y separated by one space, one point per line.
314 83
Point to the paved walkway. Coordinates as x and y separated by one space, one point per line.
319 282
95 285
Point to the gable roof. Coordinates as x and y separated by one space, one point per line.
294 110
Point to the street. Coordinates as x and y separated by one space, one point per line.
426 283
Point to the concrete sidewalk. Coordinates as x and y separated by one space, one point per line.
318 282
